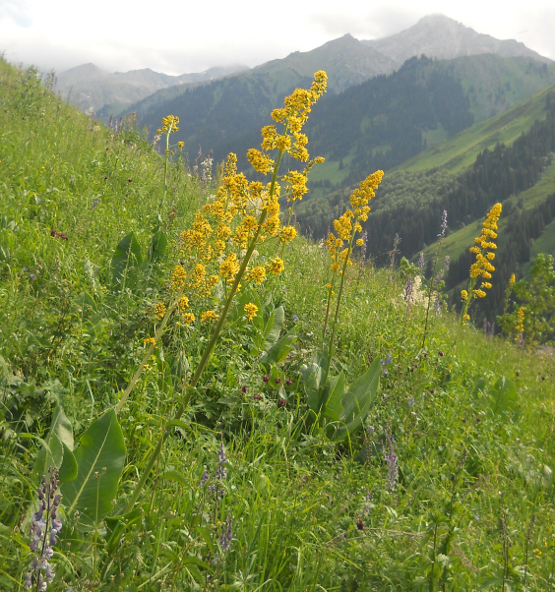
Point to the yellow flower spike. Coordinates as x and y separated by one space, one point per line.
188 318
256 274
464 295
512 280
160 310
178 278
183 303
209 315
259 161
287 234
276 265
251 310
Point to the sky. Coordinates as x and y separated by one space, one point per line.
181 36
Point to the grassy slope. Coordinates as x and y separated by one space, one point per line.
305 514
459 152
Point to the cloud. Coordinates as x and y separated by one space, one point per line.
18 13
380 22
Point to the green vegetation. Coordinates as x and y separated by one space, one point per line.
448 484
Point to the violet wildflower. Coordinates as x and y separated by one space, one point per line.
295 318
421 261
409 290
437 306
227 534
204 478
45 526
410 402
447 262
392 467
94 204
221 471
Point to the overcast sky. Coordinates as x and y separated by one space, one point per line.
181 36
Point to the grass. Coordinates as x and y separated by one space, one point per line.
461 500
460 152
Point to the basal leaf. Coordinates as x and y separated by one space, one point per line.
357 402
503 396
68 469
157 246
128 254
100 459
279 350
332 397
273 327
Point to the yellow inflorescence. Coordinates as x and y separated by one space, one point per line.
519 322
160 310
243 214
483 249
209 315
276 265
251 310
169 124
348 224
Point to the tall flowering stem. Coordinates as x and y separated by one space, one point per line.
482 267
347 227
441 236
45 527
242 216
169 125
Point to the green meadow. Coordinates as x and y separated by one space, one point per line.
421 458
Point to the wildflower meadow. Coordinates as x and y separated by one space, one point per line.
196 397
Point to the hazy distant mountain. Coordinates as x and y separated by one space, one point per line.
346 61
438 36
88 86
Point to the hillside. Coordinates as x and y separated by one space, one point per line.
89 87
507 159
235 477
438 36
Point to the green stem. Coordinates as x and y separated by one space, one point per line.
208 351
430 291
336 315
166 168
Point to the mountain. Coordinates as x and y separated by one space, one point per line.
88 86
346 61
438 36
509 159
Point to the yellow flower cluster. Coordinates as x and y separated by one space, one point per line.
519 322
348 224
243 214
209 315
484 251
169 124
160 310
251 310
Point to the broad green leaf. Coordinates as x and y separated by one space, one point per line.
68 469
357 401
59 437
157 246
279 350
128 254
332 397
100 459
61 427
503 395
273 327
312 375
50 455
